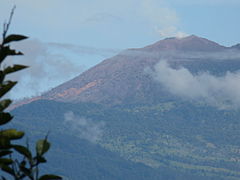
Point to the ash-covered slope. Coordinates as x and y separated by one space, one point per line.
124 79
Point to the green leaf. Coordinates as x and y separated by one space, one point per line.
23 163
14 37
4 143
4 104
6 161
2 76
25 170
41 159
11 134
4 153
5 118
42 147
6 51
3 178
50 177
7 169
4 88
14 68
13 52
23 150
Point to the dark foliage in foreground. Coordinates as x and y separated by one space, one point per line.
16 160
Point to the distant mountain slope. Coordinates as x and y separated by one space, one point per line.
123 78
115 121
138 142
190 43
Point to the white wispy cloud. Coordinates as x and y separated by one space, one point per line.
61 21
219 91
85 50
50 65
46 69
84 128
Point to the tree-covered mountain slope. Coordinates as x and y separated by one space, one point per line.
166 111
171 139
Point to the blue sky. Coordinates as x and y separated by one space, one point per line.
86 32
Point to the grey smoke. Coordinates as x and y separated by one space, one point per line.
222 92
84 128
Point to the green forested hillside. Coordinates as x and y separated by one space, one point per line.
168 140
169 110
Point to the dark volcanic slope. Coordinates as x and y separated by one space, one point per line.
115 80
123 78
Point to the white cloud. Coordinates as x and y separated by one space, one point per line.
84 50
61 21
83 127
50 65
220 91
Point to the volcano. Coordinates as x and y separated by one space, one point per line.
189 43
122 79
134 128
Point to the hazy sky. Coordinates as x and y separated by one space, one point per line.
125 23
86 32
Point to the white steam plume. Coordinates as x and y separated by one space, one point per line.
163 17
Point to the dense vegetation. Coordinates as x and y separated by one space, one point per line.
16 160
138 130
175 140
